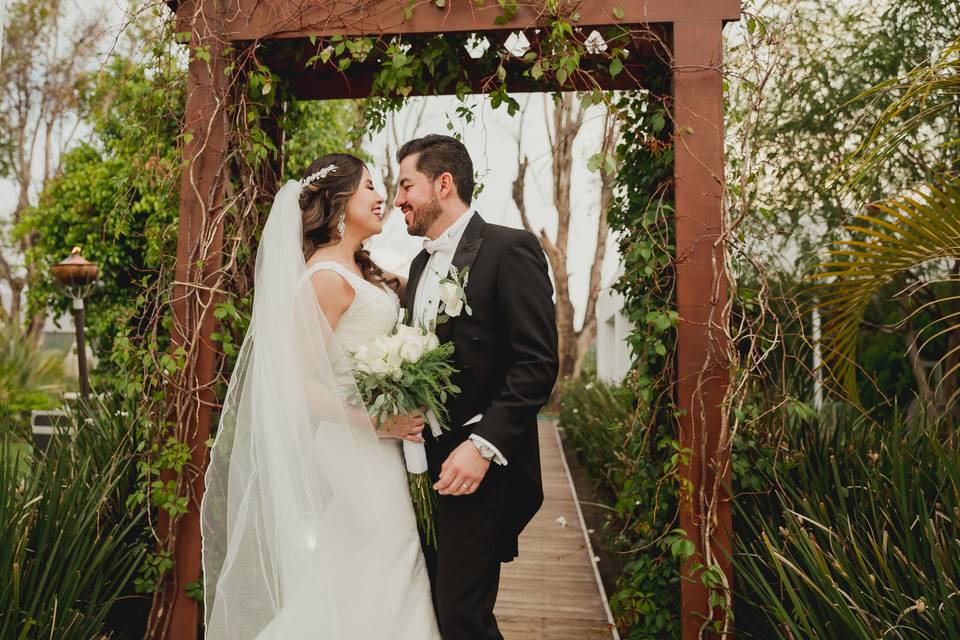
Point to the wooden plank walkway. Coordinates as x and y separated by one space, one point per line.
552 592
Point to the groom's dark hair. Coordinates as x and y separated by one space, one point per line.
442 154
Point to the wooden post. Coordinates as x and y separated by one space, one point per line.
175 616
79 322
701 300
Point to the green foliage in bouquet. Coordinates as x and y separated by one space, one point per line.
407 386
403 373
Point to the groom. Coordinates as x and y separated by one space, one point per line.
487 466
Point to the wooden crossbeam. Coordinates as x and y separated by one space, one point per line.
259 19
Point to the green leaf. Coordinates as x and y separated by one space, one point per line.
657 121
616 66
593 163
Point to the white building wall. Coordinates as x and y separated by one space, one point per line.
613 351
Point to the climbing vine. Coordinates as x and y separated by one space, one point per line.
645 601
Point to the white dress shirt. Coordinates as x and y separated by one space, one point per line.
426 303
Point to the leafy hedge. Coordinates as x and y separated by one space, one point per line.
634 468
628 465
29 378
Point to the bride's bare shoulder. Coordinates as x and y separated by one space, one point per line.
333 293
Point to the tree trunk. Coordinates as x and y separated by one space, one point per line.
45 60
588 332
563 125
567 121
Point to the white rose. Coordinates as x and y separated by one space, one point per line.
411 351
407 333
363 359
414 343
394 359
379 367
452 299
377 349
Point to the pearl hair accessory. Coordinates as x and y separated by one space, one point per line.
319 174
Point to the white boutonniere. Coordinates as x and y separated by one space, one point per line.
453 296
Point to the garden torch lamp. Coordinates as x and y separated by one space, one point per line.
78 276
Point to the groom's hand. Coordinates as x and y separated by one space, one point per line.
462 472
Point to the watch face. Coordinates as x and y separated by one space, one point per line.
485 452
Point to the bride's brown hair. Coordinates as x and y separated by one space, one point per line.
323 201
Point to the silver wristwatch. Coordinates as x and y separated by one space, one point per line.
485 452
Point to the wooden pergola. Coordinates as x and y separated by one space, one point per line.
691 31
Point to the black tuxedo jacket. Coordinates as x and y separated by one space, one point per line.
506 353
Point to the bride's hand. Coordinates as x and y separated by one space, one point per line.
404 427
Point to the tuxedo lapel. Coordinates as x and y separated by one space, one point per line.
463 258
469 245
416 271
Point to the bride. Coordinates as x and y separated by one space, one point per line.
308 529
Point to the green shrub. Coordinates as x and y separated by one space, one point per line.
69 541
858 539
633 468
29 378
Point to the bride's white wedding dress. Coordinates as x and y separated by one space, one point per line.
308 528
395 560
392 563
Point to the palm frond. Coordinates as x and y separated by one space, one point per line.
925 94
891 239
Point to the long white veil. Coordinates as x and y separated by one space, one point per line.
291 502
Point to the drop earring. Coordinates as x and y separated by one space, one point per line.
342 225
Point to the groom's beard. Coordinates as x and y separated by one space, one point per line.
423 219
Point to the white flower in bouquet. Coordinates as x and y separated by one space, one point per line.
361 359
405 372
380 358
412 343
394 360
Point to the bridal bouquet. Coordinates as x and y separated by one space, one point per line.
401 373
